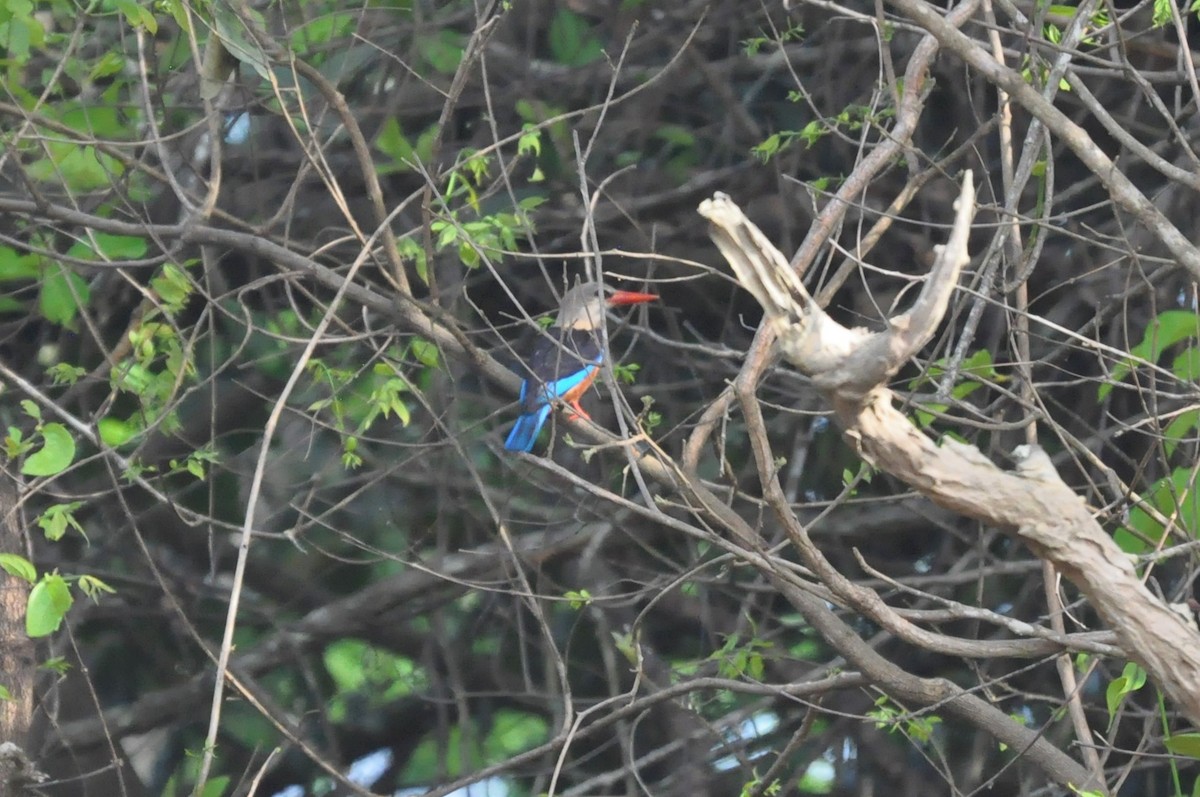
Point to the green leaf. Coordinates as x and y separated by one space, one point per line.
238 41
513 732
344 662
49 601
19 566
56 454
1135 676
425 352
110 63
1181 429
56 664
173 287
31 409
1169 328
530 141
14 445
103 247
1162 13
571 40
115 432
626 373
577 599
1132 678
4 693
442 50
65 373
1187 744
1173 496
215 787
55 521
1186 366
16 266
79 167
93 587
136 15
392 142
63 293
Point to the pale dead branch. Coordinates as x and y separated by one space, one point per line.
850 367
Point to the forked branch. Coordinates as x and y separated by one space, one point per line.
851 367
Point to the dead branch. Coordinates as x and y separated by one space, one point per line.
850 367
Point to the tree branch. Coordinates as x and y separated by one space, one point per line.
1032 503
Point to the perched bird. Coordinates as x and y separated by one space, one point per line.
565 360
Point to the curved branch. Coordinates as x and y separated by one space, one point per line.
1032 503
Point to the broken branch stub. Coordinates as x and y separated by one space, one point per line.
851 366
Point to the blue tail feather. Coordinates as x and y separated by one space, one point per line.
525 431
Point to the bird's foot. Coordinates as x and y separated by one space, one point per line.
576 411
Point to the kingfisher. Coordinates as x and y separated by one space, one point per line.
566 359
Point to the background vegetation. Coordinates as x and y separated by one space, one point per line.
264 269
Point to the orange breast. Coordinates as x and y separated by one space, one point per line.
574 393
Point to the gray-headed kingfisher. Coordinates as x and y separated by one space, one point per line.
565 360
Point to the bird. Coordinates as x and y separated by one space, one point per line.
566 359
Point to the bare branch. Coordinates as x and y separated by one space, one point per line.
1032 502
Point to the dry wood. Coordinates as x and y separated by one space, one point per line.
850 367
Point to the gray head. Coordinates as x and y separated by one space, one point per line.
583 306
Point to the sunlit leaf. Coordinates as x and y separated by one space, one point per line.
571 40
1187 744
49 601
1167 329
55 455
19 566
63 293
56 519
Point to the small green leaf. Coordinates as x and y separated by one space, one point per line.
426 353
55 521
238 40
103 247
115 432
93 587
215 787
578 598
1162 13
173 287
626 373
391 142
5 694
19 566
15 266
63 293
56 454
56 664
65 373
530 141
1135 676
442 50
49 601
571 40
136 15
344 663
1168 328
14 444
1187 744
31 409
1132 678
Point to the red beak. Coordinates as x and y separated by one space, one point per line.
630 297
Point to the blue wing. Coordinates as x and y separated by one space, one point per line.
560 361
525 431
575 352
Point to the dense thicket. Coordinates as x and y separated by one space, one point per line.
266 277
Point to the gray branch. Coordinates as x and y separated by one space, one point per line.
851 367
